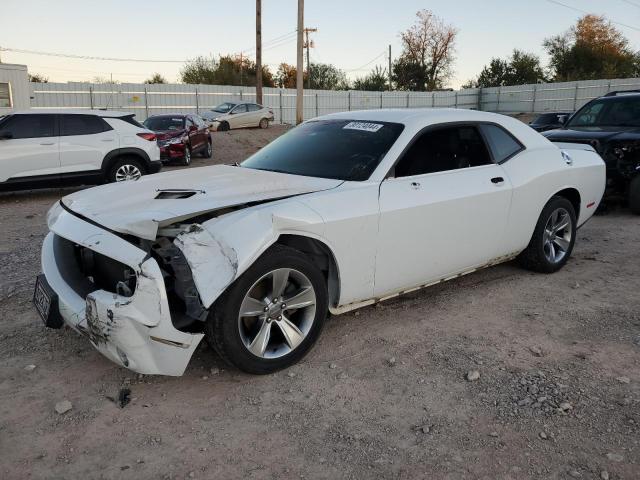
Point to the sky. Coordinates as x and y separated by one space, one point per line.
354 35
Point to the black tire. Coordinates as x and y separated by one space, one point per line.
264 123
222 327
534 256
122 164
186 159
634 195
207 151
224 127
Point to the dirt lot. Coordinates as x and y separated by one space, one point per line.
383 394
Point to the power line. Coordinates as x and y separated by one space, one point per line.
631 3
86 57
556 2
363 67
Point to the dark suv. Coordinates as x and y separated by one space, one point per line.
611 124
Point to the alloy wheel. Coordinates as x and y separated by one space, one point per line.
187 155
277 313
557 235
127 172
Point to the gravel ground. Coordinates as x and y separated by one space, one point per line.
502 374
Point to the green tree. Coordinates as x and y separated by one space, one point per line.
591 49
519 69
155 78
376 80
227 70
325 76
38 78
428 53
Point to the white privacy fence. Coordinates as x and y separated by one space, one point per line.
145 100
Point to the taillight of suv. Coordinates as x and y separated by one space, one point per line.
147 136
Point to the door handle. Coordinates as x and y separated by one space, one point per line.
415 185
47 143
497 180
106 139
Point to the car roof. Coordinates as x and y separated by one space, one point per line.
410 116
78 111
181 115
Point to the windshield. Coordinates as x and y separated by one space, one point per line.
609 112
164 123
224 107
337 149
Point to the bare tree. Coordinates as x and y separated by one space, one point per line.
428 51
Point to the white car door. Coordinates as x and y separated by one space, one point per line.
84 142
238 116
444 211
28 146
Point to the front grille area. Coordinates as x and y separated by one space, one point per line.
86 271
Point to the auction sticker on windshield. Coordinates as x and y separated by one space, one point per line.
364 126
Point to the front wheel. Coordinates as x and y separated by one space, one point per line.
553 238
208 150
272 315
634 195
186 159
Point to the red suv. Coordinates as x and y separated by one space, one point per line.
180 136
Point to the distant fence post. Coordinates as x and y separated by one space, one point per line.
240 95
408 95
197 103
146 104
609 87
498 102
349 100
456 104
533 102
480 99
575 97
433 99
91 97
380 99
280 97
316 104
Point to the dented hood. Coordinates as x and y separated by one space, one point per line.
132 207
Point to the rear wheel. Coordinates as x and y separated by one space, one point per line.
126 168
224 126
634 195
272 315
553 238
264 123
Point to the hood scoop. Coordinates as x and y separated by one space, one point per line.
176 194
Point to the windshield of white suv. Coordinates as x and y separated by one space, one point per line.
609 112
224 107
164 123
337 149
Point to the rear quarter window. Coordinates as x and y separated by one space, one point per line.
502 144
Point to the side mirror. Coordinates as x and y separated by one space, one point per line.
5 135
563 119
192 128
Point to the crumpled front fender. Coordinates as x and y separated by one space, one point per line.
221 249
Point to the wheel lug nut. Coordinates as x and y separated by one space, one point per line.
284 305
266 309
279 317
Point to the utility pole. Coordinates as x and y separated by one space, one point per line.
308 44
240 68
300 65
389 67
259 51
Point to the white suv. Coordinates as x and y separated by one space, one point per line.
51 147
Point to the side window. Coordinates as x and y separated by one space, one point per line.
253 107
82 125
189 122
5 96
240 109
29 126
501 143
444 149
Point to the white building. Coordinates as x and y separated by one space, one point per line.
14 88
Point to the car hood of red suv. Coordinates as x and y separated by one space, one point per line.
166 134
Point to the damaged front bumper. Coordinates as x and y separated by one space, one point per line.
134 331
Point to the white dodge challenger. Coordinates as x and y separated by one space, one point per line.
342 211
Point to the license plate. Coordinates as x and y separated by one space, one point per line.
46 303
